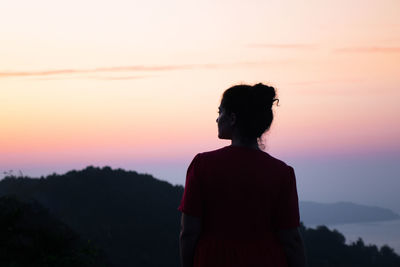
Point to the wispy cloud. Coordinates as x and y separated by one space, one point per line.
119 69
282 46
121 77
369 49
94 77
140 68
322 82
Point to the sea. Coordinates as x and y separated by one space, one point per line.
376 233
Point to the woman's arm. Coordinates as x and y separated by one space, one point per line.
293 247
190 232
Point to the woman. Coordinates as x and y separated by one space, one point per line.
240 205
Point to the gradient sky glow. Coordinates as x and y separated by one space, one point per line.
136 84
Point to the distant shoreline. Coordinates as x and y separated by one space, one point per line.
375 233
348 223
314 213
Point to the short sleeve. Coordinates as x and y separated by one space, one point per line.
288 210
192 203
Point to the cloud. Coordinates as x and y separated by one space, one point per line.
38 73
94 77
141 68
137 68
121 77
321 82
283 46
369 49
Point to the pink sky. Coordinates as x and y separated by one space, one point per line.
137 84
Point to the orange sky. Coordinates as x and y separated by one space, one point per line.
100 82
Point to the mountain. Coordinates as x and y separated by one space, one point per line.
313 213
133 219
30 236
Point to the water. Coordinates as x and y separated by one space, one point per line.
377 233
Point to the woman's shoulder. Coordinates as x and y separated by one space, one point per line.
232 153
214 152
210 155
278 162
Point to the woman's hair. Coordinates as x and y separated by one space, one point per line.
252 106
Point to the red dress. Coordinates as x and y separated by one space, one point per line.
243 197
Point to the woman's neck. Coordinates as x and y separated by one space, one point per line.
248 143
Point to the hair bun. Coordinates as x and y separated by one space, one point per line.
264 95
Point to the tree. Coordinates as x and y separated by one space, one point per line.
30 236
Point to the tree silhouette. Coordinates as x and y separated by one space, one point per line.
30 236
132 217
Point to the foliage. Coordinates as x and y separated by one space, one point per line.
30 236
134 219
325 247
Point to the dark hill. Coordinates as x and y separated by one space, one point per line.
30 236
327 248
134 219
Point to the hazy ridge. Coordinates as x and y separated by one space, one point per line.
313 213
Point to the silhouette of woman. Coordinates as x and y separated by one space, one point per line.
240 205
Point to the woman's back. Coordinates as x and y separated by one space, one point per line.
240 205
243 197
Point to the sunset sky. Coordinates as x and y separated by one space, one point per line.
137 84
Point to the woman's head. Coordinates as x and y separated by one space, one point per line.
247 110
